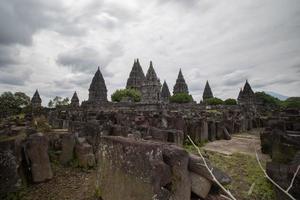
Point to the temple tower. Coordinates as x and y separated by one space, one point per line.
36 100
136 76
246 95
97 90
75 100
165 93
180 85
151 87
207 93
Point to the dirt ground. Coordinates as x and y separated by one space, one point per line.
67 183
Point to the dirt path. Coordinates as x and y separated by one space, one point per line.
67 183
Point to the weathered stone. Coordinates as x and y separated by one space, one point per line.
197 166
143 170
227 135
165 93
136 77
178 160
68 144
36 100
200 185
36 150
10 179
84 155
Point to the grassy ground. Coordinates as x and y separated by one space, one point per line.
248 181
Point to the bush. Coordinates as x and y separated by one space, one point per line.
181 98
118 95
214 101
230 102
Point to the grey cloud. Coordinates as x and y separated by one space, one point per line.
8 56
15 76
86 59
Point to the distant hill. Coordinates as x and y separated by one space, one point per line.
277 95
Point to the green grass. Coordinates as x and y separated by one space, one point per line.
245 172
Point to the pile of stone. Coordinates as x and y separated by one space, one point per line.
140 169
281 140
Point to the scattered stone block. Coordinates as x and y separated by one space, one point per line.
68 144
36 150
200 185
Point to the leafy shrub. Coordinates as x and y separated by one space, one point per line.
181 98
214 101
118 95
230 102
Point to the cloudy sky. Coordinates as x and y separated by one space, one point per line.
56 45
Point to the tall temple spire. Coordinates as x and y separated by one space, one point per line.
246 95
165 92
97 90
36 100
207 93
136 76
151 86
180 85
75 100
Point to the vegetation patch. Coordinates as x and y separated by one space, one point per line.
181 98
133 94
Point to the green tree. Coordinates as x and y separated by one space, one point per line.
214 101
118 95
266 99
230 102
13 104
181 98
58 102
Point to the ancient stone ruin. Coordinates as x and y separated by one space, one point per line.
137 147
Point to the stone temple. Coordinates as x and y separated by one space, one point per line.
246 95
36 100
98 91
136 77
151 87
207 94
165 93
180 85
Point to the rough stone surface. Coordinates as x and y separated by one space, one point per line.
200 186
37 151
196 165
160 171
68 144
84 154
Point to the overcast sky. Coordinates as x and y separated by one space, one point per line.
56 45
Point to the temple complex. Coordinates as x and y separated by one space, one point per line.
207 93
151 87
180 85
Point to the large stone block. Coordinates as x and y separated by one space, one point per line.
84 155
200 185
68 144
36 150
142 170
